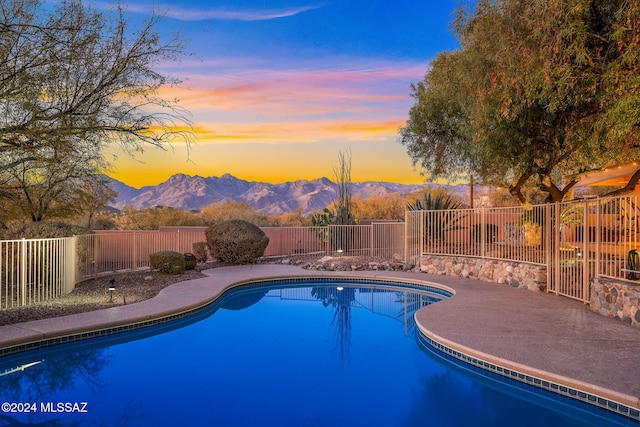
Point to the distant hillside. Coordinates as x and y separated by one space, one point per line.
195 192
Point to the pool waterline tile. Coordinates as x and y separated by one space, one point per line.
572 393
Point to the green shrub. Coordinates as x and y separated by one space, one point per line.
167 262
200 251
236 241
190 261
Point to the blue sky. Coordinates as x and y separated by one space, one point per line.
278 88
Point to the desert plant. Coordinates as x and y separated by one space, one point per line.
437 200
236 241
167 262
443 215
200 251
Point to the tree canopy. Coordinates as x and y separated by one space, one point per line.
72 81
539 93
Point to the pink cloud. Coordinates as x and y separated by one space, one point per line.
295 105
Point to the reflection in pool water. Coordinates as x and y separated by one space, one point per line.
317 355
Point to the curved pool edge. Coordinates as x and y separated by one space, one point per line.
603 398
174 302
186 298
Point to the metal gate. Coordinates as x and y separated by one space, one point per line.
570 248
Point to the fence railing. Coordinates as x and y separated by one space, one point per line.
576 241
505 233
36 270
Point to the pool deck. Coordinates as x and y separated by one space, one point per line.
543 335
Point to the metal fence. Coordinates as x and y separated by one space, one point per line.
576 241
36 270
384 240
505 233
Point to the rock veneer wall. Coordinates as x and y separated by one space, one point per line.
616 299
516 274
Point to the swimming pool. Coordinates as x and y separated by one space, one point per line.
314 352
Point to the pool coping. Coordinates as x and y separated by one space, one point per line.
186 298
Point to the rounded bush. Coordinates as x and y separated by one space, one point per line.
190 261
236 241
200 251
167 262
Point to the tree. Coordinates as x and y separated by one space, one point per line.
540 92
92 196
387 207
51 187
73 80
342 203
232 209
292 219
152 218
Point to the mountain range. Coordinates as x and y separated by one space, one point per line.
195 192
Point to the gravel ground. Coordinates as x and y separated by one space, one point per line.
93 294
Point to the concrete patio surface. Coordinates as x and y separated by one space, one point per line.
543 335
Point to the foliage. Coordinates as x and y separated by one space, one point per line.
435 201
92 195
190 261
169 262
388 207
154 217
200 251
40 230
73 81
500 197
324 218
342 203
56 188
290 219
539 92
236 241
439 199
102 220
232 209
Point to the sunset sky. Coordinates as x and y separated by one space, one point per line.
278 88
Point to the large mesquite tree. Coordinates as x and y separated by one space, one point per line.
539 93
72 80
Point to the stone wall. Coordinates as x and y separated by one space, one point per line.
616 299
517 274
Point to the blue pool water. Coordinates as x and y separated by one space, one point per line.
324 354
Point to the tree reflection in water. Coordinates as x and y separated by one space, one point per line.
341 299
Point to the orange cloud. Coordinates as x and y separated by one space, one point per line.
303 132
257 105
